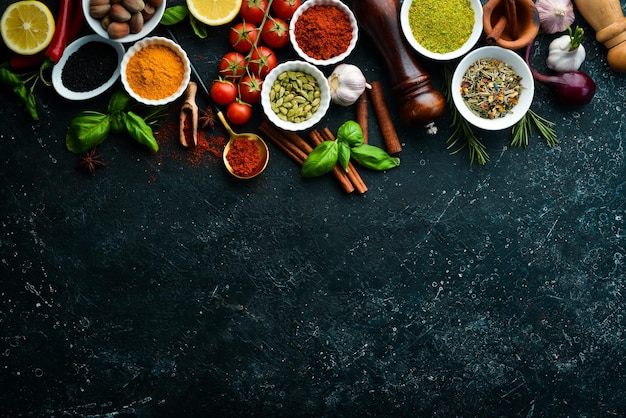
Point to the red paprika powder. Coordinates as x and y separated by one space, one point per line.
244 157
323 32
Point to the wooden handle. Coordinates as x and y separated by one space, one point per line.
419 102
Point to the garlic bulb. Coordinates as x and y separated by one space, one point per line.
347 83
555 15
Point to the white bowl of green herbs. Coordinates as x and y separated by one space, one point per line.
442 30
492 88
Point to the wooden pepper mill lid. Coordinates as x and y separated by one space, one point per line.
607 19
419 102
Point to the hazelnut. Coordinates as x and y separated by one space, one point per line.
119 13
99 11
155 3
117 30
133 6
105 22
148 11
99 2
136 22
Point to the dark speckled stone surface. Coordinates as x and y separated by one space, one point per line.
162 288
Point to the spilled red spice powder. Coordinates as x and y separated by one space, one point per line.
244 157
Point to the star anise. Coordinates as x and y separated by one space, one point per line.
91 161
207 118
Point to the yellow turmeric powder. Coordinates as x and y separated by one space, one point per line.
155 72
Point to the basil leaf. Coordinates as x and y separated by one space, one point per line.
140 131
350 132
118 121
373 157
87 130
25 96
118 102
321 160
344 154
174 15
199 28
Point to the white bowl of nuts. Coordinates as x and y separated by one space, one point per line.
123 20
295 95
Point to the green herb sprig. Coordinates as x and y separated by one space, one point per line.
24 94
462 135
89 128
523 130
347 145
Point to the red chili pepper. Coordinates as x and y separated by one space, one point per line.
59 39
24 62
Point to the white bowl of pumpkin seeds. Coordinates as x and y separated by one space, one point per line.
295 95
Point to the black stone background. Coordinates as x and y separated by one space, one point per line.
157 288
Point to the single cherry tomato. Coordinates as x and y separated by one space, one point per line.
223 92
285 8
243 36
232 66
250 89
239 112
262 61
253 11
275 32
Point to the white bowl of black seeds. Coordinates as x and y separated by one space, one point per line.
89 66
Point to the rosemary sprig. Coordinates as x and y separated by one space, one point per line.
462 130
523 130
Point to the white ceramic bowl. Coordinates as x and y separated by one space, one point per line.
322 82
517 64
57 70
467 46
310 3
156 40
148 27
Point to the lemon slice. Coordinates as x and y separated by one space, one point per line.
214 12
27 27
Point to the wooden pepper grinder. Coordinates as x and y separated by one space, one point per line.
607 19
419 102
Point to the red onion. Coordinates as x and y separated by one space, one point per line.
571 88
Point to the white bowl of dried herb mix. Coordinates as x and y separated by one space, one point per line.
442 30
492 88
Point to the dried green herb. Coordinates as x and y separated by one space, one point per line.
491 88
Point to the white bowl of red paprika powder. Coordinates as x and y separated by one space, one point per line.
323 32
155 71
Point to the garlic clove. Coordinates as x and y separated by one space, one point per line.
347 83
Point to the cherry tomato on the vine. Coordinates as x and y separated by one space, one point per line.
250 89
232 66
239 112
275 32
223 92
243 36
285 8
262 61
253 11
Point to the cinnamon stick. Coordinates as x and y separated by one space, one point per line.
361 115
281 142
352 173
340 175
511 15
388 131
496 32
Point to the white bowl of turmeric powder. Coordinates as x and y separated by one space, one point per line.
442 30
155 71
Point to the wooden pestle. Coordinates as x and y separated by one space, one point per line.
419 102
607 19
